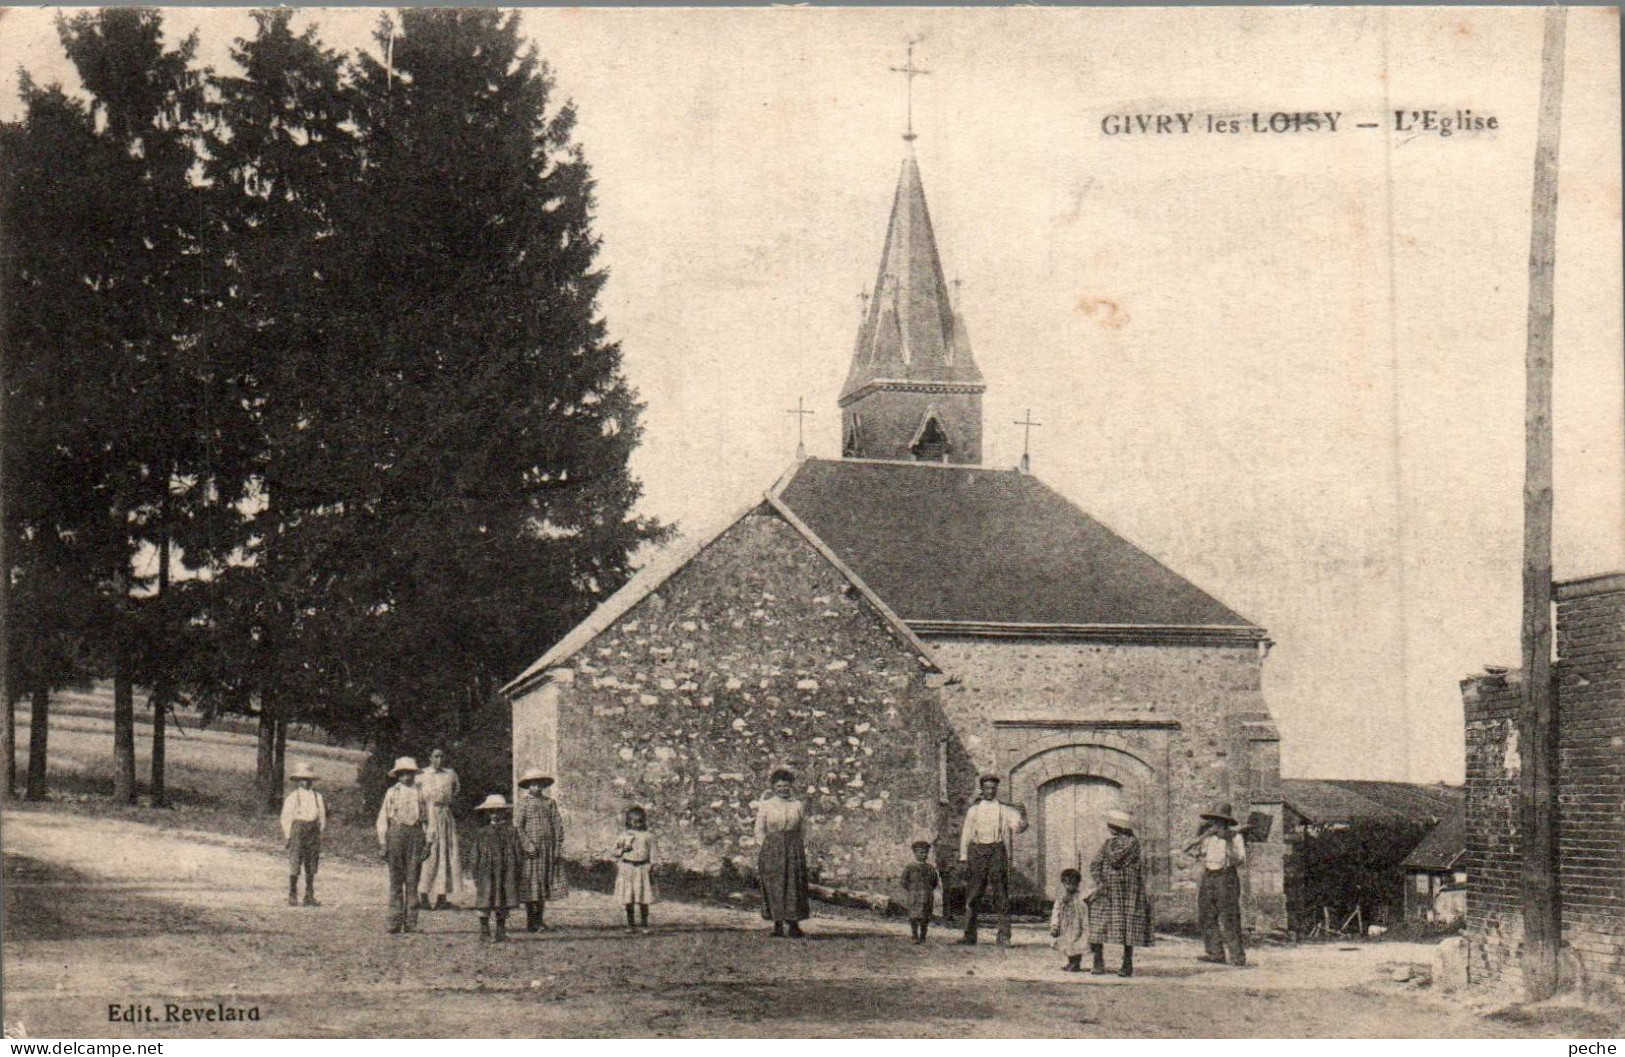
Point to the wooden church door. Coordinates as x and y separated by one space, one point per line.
1072 824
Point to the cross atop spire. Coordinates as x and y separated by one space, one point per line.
910 71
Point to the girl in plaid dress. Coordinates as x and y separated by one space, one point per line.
1121 911
543 875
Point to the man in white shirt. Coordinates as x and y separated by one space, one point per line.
1221 850
304 820
984 847
403 842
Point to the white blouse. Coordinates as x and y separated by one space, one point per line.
777 816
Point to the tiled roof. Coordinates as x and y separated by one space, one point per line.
1328 801
972 545
1444 846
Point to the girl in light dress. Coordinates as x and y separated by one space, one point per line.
634 860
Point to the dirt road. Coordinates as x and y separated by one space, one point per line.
105 912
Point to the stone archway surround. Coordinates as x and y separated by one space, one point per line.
1136 760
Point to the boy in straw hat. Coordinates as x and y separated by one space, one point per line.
499 853
1221 850
304 820
403 843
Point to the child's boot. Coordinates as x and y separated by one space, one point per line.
485 928
643 916
293 890
1098 951
1074 963
423 901
502 928
310 892
1128 962
925 927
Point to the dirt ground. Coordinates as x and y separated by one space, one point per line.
106 911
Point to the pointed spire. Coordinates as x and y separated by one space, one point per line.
910 329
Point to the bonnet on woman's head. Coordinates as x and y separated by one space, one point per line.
782 773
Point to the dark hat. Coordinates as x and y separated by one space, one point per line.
1221 813
988 778
782 772
921 844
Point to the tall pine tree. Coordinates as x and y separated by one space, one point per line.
488 500
282 159
155 466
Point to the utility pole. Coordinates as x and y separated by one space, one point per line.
1542 908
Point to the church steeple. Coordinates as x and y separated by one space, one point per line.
913 390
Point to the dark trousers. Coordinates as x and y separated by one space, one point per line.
403 850
987 872
1218 907
304 851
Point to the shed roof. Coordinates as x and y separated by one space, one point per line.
1332 801
1443 847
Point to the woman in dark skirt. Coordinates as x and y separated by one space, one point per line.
781 864
1120 911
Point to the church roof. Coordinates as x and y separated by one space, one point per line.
962 548
910 331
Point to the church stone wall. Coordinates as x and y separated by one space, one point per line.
1194 715
757 654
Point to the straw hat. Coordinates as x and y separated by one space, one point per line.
1120 820
302 770
1221 813
494 802
404 763
537 775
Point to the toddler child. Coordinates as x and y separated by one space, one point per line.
1069 921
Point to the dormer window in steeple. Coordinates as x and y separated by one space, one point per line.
930 442
852 446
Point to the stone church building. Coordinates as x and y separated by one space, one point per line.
892 623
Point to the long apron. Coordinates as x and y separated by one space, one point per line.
781 868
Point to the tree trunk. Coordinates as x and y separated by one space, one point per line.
39 732
265 757
279 764
160 706
10 743
159 699
123 730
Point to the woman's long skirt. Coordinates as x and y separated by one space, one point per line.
782 869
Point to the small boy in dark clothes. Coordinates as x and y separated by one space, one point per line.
920 881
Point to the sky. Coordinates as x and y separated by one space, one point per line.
1288 366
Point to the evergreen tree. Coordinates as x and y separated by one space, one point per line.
141 355
281 160
487 497
57 552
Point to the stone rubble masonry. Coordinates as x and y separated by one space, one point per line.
1590 697
757 654
1179 727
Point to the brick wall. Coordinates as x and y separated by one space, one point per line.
1591 781
1590 678
1494 914
756 654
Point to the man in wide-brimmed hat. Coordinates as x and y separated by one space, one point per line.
304 820
985 848
539 821
403 842
1221 850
